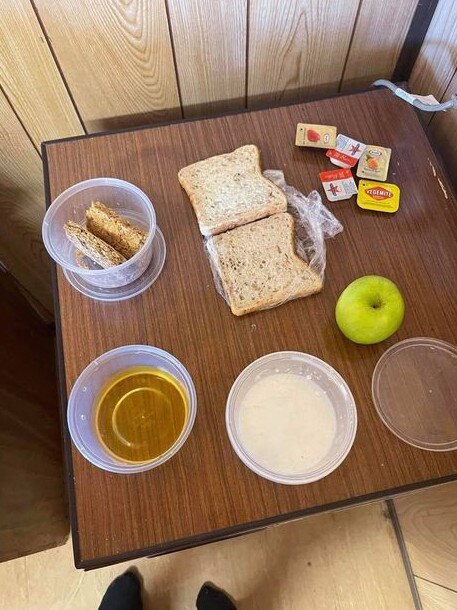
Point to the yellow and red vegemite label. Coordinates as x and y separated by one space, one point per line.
318 136
378 196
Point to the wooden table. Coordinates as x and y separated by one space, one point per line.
205 493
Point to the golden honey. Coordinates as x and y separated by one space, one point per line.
140 414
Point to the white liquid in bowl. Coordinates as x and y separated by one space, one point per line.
287 423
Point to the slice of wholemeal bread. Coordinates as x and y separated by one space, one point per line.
229 190
114 229
92 246
258 265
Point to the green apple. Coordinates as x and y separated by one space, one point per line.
370 309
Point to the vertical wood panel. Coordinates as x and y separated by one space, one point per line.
378 39
116 57
30 78
443 129
210 44
22 208
437 59
297 48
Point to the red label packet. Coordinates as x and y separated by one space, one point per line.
338 184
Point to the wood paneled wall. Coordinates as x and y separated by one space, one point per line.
435 72
80 66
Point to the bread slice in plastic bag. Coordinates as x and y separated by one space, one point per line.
277 259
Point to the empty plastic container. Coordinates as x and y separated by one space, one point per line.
81 412
125 199
328 380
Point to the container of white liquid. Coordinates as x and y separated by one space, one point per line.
291 418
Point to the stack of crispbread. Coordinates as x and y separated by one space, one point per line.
250 234
108 239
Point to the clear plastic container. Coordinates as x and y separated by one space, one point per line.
327 379
82 403
414 391
121 293
124 198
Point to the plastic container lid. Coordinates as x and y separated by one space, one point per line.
415 392
83 397
329 380
131 290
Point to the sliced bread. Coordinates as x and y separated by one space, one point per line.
229 190
258 265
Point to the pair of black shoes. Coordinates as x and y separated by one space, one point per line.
124 593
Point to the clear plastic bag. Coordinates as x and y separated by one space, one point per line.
314 223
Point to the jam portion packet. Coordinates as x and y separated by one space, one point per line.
317 136
346 152
338 184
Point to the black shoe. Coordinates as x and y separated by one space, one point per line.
124 593
212 598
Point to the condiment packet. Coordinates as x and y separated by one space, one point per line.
378 196
374 163
338 184
346 152
318 136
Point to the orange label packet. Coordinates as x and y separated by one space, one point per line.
374 163
317 136
378 196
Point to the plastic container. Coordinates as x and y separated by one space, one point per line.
82 402
121 293
121 196
327 379
414 391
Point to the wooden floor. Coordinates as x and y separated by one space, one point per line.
428 522
350 559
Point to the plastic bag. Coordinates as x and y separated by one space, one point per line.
314 223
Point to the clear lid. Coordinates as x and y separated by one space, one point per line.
415 392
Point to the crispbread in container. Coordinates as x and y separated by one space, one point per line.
122 197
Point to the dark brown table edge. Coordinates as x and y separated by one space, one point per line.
165 123
225 533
